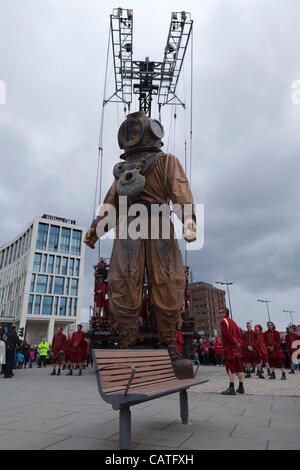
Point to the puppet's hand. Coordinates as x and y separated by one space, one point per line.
189 230
90 238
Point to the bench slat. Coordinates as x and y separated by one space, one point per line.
134 387
134 353
137 375
158 387
117 373
139 379
105 362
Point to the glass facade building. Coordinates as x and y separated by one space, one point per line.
41 276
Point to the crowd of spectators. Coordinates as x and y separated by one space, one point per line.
208 352
18 354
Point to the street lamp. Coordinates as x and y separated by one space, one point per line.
226 284
266 302
290 312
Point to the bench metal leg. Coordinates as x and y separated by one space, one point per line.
124 428
184 406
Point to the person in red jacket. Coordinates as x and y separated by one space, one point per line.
275 354
232 346
68 348
290 337
77 350
218 350
179 343
251 350
58 351
262 349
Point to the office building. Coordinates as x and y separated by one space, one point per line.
41 274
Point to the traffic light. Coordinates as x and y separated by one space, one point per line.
21 331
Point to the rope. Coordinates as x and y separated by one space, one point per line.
191 110
98 186
174 132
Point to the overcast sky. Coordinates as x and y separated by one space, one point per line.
245 163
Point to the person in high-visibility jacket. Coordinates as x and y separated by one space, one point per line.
43 349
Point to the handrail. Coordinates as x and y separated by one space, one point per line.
121 366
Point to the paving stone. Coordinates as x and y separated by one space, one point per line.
27 440
260 421
255 432
148 447
159 438
204 442
281 445
77 443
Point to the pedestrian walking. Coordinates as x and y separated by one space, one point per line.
2 348
43 351
77 350
290 337
31 356
232 351
58 351
263 350
252 354
275 354
11 344
68 348
21 360
218 351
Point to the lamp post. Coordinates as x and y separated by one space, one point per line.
290 312
227 284
266 302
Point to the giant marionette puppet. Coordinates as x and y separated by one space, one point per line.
148 177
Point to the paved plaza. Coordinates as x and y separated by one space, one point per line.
39 411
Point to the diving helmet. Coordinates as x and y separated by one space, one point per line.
140 132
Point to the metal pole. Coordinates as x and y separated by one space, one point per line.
227 286
266 302
268 310
229 301
290 312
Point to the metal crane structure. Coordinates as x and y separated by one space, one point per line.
145 77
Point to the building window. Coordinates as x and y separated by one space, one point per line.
53 238
71 266
30 304
77 262
70 307
57 265
76 242
50 264
41 284
64 266
59 285
50 284
67 282
56 305
74 307
47 305
74 287
62 307
9 254
37 262
41 240
32 283
37 304
44 263
65 240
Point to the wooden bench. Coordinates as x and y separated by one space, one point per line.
127 377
